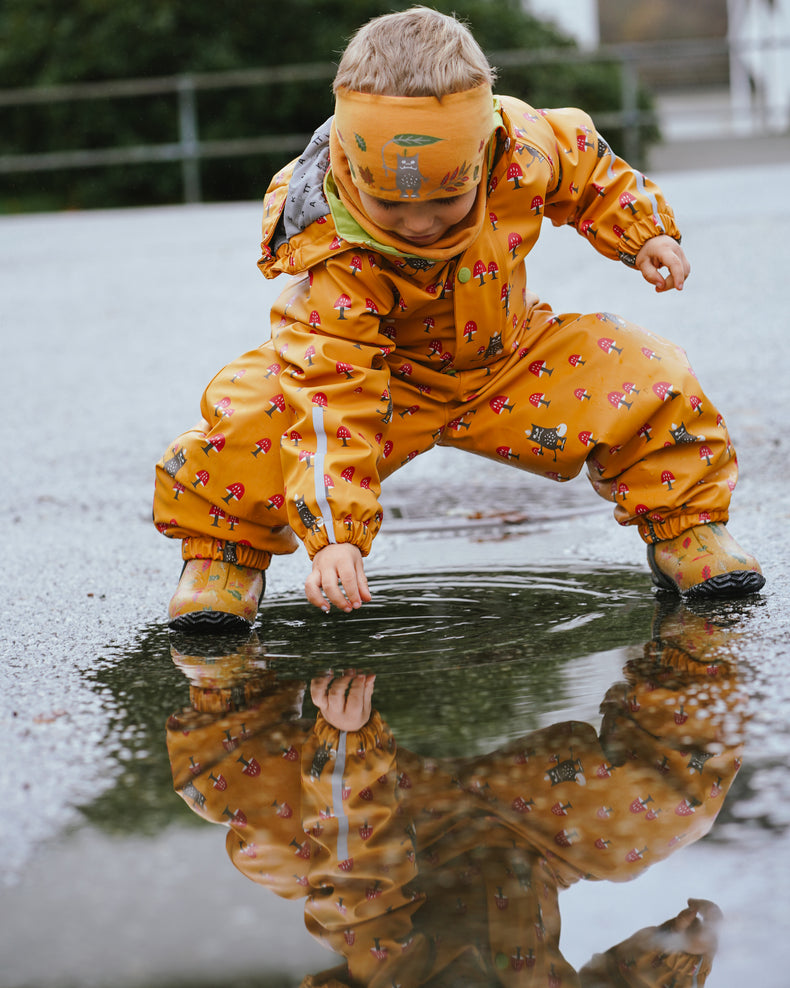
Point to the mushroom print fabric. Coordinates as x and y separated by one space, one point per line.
377 355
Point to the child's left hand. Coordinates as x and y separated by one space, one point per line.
663 252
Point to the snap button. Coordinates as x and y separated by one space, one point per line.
464 274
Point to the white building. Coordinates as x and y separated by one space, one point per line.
759 34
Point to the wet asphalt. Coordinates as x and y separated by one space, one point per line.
113 322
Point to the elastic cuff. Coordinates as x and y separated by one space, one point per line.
636 234
226 552
652 531
356 533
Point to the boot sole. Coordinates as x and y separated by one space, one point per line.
209 622
738 583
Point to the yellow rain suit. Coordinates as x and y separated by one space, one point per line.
376 356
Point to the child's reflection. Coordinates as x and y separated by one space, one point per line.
425 872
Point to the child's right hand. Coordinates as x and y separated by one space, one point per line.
338 578
344 700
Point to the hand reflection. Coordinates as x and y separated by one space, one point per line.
344 699
447 872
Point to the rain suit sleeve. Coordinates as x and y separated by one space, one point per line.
364 858
606 200
336 398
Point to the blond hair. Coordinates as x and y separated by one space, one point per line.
416 52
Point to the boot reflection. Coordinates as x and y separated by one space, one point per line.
439 873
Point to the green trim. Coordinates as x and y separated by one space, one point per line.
347 227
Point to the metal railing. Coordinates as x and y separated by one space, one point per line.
188 149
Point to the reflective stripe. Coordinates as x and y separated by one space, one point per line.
338 808
320 469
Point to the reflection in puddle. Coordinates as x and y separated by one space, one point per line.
440 862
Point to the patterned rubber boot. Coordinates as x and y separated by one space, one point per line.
704 563
216 597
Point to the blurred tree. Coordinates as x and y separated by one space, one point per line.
47 42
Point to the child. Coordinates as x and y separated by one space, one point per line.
406 224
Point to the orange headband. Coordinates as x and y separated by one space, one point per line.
415 147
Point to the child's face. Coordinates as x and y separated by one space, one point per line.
421 222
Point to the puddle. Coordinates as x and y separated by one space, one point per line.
529 731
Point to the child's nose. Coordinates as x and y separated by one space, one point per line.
420 221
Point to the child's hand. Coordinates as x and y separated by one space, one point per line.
663 252
694 929
345 700
339 573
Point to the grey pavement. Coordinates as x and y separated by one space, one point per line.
112 324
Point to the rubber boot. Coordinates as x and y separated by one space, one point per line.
215 597
704 563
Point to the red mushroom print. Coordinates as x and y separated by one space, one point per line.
235 492
575 360
494 219
617 399
343 368
216 513
201 478
222 409
493 270
536 205
539 398
513 241
609 346
664 391
506 453
705 453
328 484
343 434
696 404
365 483
586 439
262 446
469 330
371 307
387 448
314 319
434 348
309 354
538 368
276 404
514 173
348 474
275 501
405 370
272 369
178 488
666 478
582 143
479 271
650 354
320 399
500 403
295 437
356 264
620 490
306 457
627 201
582 394
341 304
429 322
251 766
